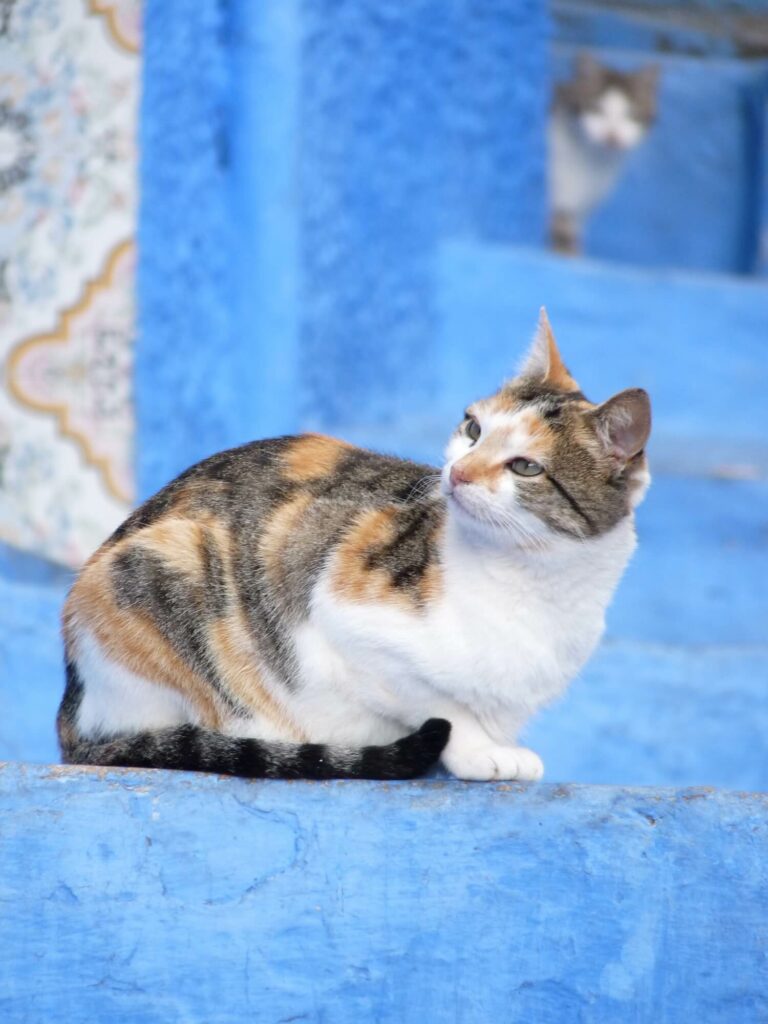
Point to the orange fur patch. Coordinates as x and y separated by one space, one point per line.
352 579
131 639
236 657
557 374
177 541
313 456
276 535
196 497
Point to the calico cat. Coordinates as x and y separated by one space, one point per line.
295 607
598 117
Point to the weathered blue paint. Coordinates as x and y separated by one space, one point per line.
152 896
700 574
642 713
419 120
264 49
189 358
31 668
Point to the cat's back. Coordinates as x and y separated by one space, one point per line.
246 533
243 487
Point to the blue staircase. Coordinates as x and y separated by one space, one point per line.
342 215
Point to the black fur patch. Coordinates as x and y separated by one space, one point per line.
412 549
70 703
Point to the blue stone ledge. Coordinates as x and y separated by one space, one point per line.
153 896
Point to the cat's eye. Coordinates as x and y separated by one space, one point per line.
472 428
525 467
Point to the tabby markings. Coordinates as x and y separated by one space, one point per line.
312 457
172 579
365 567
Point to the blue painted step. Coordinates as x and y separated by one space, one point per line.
651 714
153 896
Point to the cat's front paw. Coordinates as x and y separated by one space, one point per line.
484 764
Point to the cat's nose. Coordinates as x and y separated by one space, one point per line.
459 476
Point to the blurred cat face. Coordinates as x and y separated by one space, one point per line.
613 109
611 121
537 460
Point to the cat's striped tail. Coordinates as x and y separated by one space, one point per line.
190 748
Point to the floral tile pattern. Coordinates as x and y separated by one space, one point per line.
124 20
81 372
69 79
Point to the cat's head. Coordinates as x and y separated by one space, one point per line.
537 460
613 109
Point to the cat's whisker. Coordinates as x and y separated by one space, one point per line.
423 487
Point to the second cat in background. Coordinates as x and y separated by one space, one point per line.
599 116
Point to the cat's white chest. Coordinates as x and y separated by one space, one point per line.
580 175
514 635
505 636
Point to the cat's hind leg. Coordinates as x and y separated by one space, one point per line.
564 234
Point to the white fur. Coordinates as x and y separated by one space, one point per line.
116 700
611 123
509 632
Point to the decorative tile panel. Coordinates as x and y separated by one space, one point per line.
69 79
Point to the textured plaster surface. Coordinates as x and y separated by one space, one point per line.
187 353
436 112
145 896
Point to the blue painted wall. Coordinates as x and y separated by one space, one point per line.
141 897
31 669
328 148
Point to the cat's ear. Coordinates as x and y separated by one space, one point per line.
648 76
624 423
645 83
544 361
588 69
